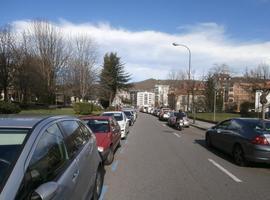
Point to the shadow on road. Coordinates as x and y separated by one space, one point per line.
227 157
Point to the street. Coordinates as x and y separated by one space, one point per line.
158 162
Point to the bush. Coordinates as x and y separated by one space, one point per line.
245 107
9 108
85 108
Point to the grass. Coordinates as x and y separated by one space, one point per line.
219 116
58 111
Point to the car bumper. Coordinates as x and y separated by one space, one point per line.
123 134
103 154
258 153
186 123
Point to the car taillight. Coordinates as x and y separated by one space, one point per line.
260 140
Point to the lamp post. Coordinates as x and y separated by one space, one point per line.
189 65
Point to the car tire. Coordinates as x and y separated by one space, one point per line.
110 157
119 144
208 141
239 156
98 184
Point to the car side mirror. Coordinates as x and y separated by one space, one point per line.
45 191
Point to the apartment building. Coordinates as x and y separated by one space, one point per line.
161 95
145 99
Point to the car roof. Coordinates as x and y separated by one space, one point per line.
97 117
113 112
24 121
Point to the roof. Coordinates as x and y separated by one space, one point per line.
113 112
97 117
23 121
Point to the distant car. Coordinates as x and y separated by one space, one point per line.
164 114
245 139
108 134
122 120
130 116
172 118
185 119
48 158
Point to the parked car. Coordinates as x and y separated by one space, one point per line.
130 116
164 114
245 139
108 134
176 120
185 119
121 119
48 158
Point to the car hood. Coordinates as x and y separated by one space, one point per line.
101 138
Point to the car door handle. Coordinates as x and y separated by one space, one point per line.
75 176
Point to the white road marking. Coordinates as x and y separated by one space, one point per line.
225 171
177 135
163 125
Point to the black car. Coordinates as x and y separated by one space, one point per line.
245 139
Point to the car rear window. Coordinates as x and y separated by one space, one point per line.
117 116
98 125
11 145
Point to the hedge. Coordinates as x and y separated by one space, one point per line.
9 108
85 108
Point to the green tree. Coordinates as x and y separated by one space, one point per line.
112 78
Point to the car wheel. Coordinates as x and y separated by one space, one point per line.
208 141
98 184
239 156
109 158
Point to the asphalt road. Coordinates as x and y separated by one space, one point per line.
157 162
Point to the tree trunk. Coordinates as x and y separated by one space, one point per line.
5 94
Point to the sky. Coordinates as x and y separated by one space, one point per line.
231 32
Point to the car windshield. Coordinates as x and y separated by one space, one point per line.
128 114
11 145
117 116
98 125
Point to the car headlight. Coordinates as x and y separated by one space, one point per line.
100 149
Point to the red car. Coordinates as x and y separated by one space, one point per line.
108 135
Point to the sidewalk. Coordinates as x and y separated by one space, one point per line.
201 125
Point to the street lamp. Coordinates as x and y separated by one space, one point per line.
189 65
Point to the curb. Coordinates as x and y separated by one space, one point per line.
199 127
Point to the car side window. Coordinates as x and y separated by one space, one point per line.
75 138
47 163
234 125
224 125
87 133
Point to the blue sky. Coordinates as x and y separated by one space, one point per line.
244 19
234 24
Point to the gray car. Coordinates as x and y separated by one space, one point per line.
48 158
245 139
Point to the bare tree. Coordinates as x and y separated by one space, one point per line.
27 77
258 78
7 64
49 45
82 65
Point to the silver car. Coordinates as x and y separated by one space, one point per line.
48 158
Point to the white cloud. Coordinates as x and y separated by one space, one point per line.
150 54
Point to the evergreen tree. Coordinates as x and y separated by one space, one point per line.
112 78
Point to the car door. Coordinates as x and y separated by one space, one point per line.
50 163
217 136
79 148
116 132
231 135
